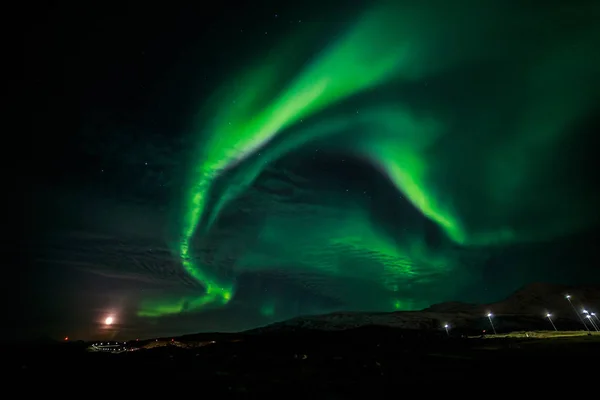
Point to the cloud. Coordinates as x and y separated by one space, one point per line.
116 257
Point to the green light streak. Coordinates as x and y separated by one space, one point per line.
350 66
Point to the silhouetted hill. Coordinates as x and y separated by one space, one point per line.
534 299
541 298
525 309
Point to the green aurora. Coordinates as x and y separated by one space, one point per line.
488 163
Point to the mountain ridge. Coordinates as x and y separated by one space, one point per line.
526 308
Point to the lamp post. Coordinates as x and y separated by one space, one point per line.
589 317
568 297
447 331
492 323
549 316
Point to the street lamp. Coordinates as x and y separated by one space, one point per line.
568 297
589 317
447 331
595 316
491 322
549 316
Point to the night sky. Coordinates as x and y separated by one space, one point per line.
219 168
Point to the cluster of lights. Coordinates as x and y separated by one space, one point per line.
113 347
108 344
592 318
589 316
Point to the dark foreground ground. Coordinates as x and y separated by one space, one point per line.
330 365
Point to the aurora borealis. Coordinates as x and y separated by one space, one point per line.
392 45
384 156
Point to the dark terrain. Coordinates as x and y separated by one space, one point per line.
341 355
364 360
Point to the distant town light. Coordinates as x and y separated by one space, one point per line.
108 320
